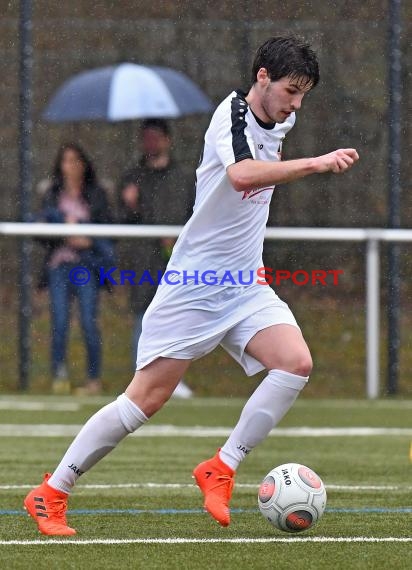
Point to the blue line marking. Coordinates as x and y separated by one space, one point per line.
374 510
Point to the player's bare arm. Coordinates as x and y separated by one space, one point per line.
248 174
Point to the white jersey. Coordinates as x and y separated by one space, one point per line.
226 230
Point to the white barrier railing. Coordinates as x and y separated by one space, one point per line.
372 237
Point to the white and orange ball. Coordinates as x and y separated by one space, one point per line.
292 497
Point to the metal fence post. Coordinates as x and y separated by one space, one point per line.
394 217
25 131
372 318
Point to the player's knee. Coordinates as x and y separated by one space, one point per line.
150 396
299 363
303 365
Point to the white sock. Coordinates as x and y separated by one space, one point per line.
97 438
264 409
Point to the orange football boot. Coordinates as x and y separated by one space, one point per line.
47 507
216 479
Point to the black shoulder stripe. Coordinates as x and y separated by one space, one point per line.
241 149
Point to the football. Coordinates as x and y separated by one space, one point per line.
292 497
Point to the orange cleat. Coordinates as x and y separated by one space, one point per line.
216 479
47 507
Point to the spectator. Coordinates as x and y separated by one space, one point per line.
74 197
153 193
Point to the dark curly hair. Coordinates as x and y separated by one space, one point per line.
287 57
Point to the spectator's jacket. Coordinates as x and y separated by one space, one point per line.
165 198
101 252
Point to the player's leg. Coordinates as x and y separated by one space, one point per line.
150 388
284 353
282 350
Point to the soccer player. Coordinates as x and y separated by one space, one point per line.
188 318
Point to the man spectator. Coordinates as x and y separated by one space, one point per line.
153 192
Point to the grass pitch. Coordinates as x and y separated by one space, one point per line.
139 509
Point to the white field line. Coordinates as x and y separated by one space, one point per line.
71 430
49 402
301 404
149 485
177 540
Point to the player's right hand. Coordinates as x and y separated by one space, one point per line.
337 161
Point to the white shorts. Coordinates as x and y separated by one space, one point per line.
189 321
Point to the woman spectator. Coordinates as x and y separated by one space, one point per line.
75 197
